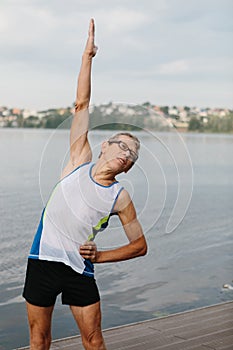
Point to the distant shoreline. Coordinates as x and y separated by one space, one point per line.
138 130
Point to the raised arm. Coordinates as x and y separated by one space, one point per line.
80 151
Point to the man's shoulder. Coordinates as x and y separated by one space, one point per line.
70 168
123 200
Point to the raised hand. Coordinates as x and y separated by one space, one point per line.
91 48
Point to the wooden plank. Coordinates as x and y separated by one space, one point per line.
67 343
190 324
194 316
116 337
220 344
187 332
196 341
140 343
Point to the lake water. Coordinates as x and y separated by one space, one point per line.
182 187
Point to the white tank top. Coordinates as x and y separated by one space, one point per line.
77 210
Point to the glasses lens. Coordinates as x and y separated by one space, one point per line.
133 156
123 146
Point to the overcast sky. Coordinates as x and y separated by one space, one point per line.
168 52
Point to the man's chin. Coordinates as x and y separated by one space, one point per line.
117 165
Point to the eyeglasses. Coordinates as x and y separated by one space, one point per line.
132 155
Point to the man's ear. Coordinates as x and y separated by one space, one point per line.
104 146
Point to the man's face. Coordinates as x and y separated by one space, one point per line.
120 153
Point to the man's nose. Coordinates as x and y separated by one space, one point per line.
127 153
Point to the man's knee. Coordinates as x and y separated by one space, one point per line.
40 340
94 340
40 343
40 326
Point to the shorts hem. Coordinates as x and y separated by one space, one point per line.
80 304
28 300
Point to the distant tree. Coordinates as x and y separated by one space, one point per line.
164 109
56 120
20 121
146 104
31 122
195 124
217 124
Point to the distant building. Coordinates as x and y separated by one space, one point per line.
173 111
16 111
27 113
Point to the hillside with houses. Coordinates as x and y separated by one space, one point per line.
122 116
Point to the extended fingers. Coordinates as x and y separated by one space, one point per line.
86 248
88 244
91 49
91 31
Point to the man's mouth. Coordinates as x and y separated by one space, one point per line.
122 160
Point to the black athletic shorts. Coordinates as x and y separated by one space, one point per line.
46 279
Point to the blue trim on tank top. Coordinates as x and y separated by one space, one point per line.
89 267
116 199
88 274
80 166
90 175
35 249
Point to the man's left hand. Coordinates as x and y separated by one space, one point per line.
89 251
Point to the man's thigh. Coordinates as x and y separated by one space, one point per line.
88 318
39 319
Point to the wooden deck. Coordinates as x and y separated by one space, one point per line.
201 329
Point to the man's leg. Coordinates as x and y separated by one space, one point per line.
39 319
88 319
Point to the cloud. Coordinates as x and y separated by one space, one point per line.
175 67
121 20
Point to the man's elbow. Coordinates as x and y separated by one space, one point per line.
143 248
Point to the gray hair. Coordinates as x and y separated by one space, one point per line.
134 138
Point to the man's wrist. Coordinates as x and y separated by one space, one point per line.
98 257
87 55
